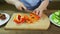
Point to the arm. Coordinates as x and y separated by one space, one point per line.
44 5
17 3
13 2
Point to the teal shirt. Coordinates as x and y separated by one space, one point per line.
31 4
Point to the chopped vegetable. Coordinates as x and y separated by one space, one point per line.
19 17
56 17
19 20
28 19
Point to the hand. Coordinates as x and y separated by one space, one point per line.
38 12
21 7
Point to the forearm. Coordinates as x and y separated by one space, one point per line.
13 2
44 4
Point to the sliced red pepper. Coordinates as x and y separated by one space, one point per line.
26 17
19 17
17 21
22 20
29 21
35 16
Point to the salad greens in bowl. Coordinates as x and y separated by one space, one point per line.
55 18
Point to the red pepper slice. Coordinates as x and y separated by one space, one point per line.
22 20
19 17
17 21
35 16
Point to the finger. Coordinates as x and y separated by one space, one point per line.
40 14
19 8
34 12
28 11
37 12
24 8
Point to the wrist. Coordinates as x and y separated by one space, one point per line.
17 3
41 8
12 1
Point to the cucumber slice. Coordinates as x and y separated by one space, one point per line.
58 23
57 13
56 20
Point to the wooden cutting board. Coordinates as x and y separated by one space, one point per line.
42 24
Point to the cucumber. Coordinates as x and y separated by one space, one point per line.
56 17
57 13
58 23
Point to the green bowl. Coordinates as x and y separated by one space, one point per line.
55 18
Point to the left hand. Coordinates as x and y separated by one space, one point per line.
38 11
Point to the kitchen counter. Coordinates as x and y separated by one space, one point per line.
10 9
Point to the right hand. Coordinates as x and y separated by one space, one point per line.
21 7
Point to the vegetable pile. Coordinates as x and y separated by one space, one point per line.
56 17
18 19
